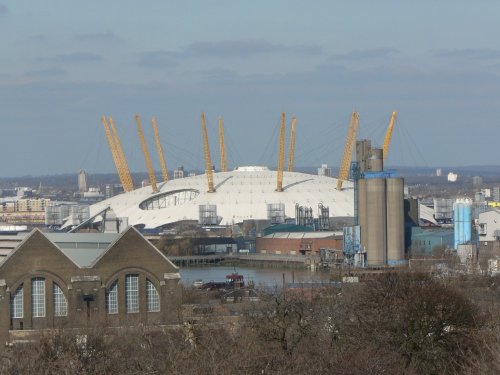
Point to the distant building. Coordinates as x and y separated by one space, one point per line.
443 210
486 193
489 226
496 193
439 172
298 243
477 180
179 172
215 245
324 170
109 191
452 177
85 280
424 241
82 181
28 205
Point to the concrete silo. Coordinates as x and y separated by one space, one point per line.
375 162
376 215
362 211
395 221
380 200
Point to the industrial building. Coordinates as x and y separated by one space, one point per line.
425 240
85 280
298 243
380 204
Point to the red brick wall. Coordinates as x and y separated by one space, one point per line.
293 245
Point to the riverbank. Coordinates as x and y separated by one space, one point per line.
250 260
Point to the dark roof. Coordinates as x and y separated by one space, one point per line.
215 241
286 228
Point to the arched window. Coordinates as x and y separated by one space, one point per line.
16 303
152 297
112 299
38 297
132 293
60 301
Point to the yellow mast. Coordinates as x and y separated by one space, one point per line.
348 147
163 163
222 147
281 155
291 154
129 184
149 165
388 135
113 150
208 160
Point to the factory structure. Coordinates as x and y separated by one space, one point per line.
380 214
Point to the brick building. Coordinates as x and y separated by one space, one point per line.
297 243
48 285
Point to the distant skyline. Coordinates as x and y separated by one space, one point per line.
67 63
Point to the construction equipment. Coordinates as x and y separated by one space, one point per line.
222 146
388 135
161 156
281 154
129 184
149 165
208 160
114 152
348 147
291 153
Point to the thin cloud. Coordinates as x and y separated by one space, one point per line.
44 73
76 57
108 35
37 38
468 53
247 48
363 54
157 59
3 10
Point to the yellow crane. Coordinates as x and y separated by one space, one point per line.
291 154
281 155
149 165
129 184
388 135
348 147
114 152
208 160
161 156
222 146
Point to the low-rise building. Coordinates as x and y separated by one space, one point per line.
80 280
425 240
297 243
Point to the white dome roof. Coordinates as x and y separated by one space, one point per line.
242 194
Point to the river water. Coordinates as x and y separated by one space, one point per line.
267 277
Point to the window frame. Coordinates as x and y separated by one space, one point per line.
132 301
60 302
17 303
153 301
112 298
38 308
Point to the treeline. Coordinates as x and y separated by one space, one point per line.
399 323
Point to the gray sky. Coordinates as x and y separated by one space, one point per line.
65 63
